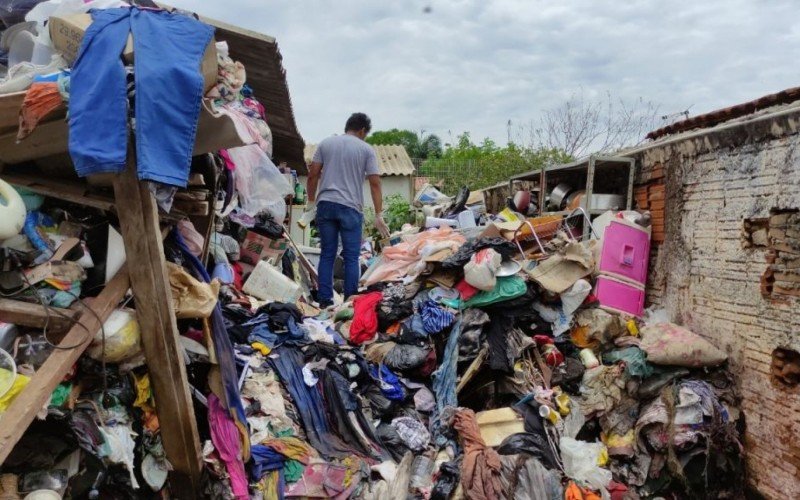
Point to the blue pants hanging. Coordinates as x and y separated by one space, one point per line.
168 48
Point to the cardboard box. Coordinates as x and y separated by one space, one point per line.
256 248
67 32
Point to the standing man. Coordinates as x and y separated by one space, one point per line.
338 168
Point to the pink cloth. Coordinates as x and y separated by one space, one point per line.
229 165
406 258
225 436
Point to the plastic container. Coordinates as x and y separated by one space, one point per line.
617 296
8 332
626 251
8 372
267 283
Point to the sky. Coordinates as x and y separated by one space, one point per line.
448 66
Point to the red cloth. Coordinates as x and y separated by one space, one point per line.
617 490
365 317
466 290
429 366
238 283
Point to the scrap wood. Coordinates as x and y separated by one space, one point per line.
23 409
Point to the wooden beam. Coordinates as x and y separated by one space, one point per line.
19 415
72 191
36 316
138 217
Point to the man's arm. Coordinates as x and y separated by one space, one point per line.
314 171
376 192
377 200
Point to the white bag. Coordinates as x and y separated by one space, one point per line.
481 270
580 464
259 183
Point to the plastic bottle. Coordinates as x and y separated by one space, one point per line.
299 194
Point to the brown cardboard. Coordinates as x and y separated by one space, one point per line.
257 247
67 32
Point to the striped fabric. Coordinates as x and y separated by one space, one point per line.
434 317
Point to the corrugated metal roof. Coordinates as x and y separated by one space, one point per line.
392 159
721 115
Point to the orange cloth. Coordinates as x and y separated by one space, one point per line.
575 492
480 470
41 101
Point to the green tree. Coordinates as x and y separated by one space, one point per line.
417 145
478 166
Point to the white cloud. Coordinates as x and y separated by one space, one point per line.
472 64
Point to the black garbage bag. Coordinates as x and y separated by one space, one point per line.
473 322
381 405
568 375
449 473
459 203
391 441
500 245
404 357
529 443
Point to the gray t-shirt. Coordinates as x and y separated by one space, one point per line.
346 160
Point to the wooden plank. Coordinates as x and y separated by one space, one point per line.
214 132
19 415
71 191
138 216
9 110
36 316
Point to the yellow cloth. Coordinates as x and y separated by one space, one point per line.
16 387
262 348
269 485
143 393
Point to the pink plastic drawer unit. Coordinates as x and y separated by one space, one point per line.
618 296
626 252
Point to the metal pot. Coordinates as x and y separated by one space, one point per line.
606 202
558 195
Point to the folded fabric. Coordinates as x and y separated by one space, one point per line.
42 100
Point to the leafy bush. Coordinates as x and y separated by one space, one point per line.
396 212
478 166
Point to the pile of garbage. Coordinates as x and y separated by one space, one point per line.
466 369
486 356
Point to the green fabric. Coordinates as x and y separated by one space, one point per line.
60 394
635 360
288 432
507 288
293 470
453 303
344 315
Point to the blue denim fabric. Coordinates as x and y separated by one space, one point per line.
444 384
169 90
335 220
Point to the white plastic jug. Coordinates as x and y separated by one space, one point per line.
12 211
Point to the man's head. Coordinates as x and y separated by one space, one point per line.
358 125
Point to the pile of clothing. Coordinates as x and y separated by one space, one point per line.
458 372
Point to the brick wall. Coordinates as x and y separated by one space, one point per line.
708 275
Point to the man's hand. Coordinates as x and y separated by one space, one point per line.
381 226
309 214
